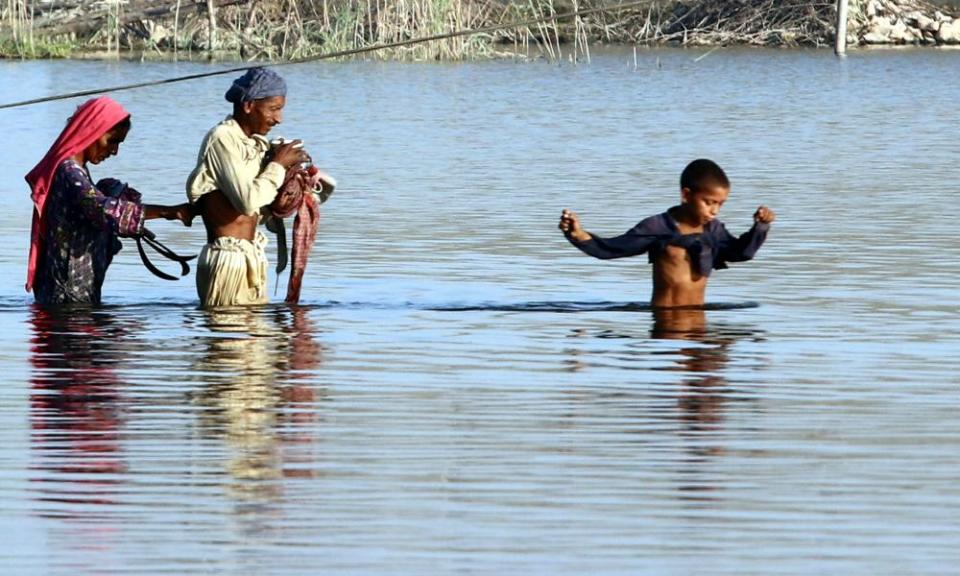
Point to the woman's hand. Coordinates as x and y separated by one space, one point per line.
131 195
184 213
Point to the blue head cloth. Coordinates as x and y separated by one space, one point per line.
257 83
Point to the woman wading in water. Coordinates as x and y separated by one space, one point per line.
76 222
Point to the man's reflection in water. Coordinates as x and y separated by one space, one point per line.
76 412
254 370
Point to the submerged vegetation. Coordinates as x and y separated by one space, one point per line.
293 29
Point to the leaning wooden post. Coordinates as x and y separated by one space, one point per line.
841 44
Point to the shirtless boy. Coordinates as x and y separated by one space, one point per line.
685 243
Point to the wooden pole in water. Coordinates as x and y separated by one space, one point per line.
840 47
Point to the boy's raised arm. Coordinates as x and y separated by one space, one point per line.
635 241
570 226
746 246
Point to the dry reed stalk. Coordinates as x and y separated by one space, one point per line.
581 38
212 22
543 39
301 28
358 31
17 15
404 19
116 25
286 32
176 30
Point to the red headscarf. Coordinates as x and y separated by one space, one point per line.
93 119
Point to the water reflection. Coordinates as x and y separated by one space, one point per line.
702 394
679 389
76 403
253 374
256 394
448 431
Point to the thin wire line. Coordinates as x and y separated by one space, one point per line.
338 54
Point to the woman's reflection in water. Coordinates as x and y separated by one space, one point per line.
255 390
76 411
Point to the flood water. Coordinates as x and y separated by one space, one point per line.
461 390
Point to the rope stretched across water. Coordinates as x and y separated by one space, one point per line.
338 54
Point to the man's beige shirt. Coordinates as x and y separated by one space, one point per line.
231 161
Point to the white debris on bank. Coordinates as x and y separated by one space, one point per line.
879 22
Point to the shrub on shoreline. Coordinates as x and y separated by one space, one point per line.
293 29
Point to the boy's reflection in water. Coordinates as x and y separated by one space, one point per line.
254 368
702 398
76 413
698 400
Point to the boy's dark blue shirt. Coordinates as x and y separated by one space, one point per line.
709 250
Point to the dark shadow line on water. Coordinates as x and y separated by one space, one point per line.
559 307
566 307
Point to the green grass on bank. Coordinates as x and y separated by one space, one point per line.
35 49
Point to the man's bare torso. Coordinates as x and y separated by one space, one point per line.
221 219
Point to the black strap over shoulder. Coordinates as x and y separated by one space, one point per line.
151 240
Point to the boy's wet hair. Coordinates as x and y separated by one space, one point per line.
701 173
